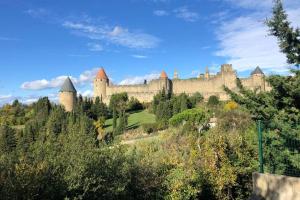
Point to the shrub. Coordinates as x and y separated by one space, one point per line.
195 99
194 117
234 120
134 104
213 100
150 127
231 105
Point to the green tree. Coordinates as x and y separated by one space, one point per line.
195 99
213 100
99 109
7 139
56 122
288 37
134 104
118 104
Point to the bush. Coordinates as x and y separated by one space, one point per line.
150 127
231 105
134 105
195 99
195 117
234 120
213 100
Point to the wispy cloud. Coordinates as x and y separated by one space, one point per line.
4 99
160 13
37 12
261 4
139 56
97 30
245 40
95 47
116 35
28 99
8 39
79 55
186 14
42 84
139 79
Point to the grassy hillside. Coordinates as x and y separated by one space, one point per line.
135 120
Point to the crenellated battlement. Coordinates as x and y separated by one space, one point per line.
207 84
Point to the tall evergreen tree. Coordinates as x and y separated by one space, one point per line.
7 139
288 37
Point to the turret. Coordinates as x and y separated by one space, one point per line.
206 73
67 95
175 75
100 83
164 81
258 79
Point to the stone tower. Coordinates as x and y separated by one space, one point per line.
164 81
100 83
67 95
206 73
258 79
175 75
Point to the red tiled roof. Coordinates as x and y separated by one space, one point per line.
101 74
163 75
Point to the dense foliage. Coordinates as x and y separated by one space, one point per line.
165 105
60 155
279 109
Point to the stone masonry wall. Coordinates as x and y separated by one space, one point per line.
207 86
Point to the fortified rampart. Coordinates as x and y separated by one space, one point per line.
206 84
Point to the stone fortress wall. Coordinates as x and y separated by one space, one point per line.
206 84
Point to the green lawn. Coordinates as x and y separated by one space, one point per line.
135 120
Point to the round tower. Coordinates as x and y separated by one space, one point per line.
67 95
164 81
258 79
100 83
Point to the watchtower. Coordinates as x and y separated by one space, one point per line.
67 95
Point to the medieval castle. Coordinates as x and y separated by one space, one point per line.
207 84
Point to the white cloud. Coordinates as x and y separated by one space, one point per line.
185 14
43 83
86 93
139 56
37 13
94 47
116 35
262 4
4 99
84 78
246 43
7 39
139 79
160 13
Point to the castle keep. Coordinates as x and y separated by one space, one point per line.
206 84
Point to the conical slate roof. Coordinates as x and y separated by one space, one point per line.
101 74
67 86
257 71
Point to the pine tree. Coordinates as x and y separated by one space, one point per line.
7 139
288 37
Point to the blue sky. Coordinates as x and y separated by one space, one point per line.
42 42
